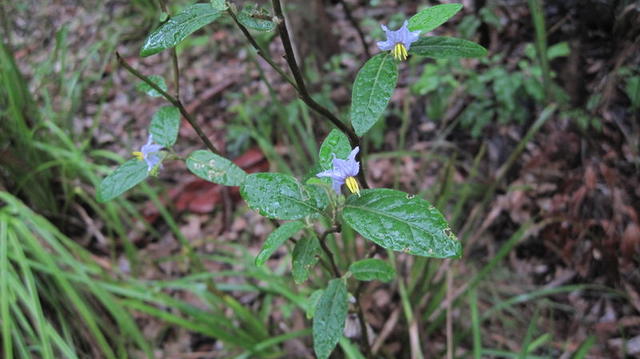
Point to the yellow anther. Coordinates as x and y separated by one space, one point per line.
352 185
139 155
400 52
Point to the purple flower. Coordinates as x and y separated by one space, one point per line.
344 171
149 153
399 41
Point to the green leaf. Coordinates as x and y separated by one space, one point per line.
398 221
336 143
329 318
372 269
158 80
219 4
276 239
276 195
312 302
165 125
217 169
432 17
122 179
304 257
633 91
560 49
372 91
442 47
256 18
178 27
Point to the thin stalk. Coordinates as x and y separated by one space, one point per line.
174 56
325 248
356 26
173 100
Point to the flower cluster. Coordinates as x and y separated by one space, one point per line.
399 41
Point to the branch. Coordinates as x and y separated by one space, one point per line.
328 252
355 24
173 100
302 89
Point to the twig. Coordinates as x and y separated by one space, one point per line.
302 89
260 51
174 101
174 56
328 252
355 24
363 322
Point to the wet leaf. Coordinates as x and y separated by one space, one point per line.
432 17
336 143
329 318
398 221
178 27
372 269
372 91
312 302
304 257
213 168
165 125
276 195
276 239
256 18
122 179
158 80
442 47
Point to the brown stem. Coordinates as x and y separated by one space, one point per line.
173 100
174 55
260 51
355 24
302 89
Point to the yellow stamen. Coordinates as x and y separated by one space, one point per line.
139 155
352 185
400 52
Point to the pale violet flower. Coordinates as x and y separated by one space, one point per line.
399 41
149 153
344 171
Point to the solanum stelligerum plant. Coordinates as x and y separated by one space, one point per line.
337 194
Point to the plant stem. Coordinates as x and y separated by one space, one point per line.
173 100
355 24
302 89
260 51
325 248
174 56
363 322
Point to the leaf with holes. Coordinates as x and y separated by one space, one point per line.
432 17
213 168
442 47
372 91
277 195
329 317
256 18
372 269
276 239
165 125
122 179
178 27
401 222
